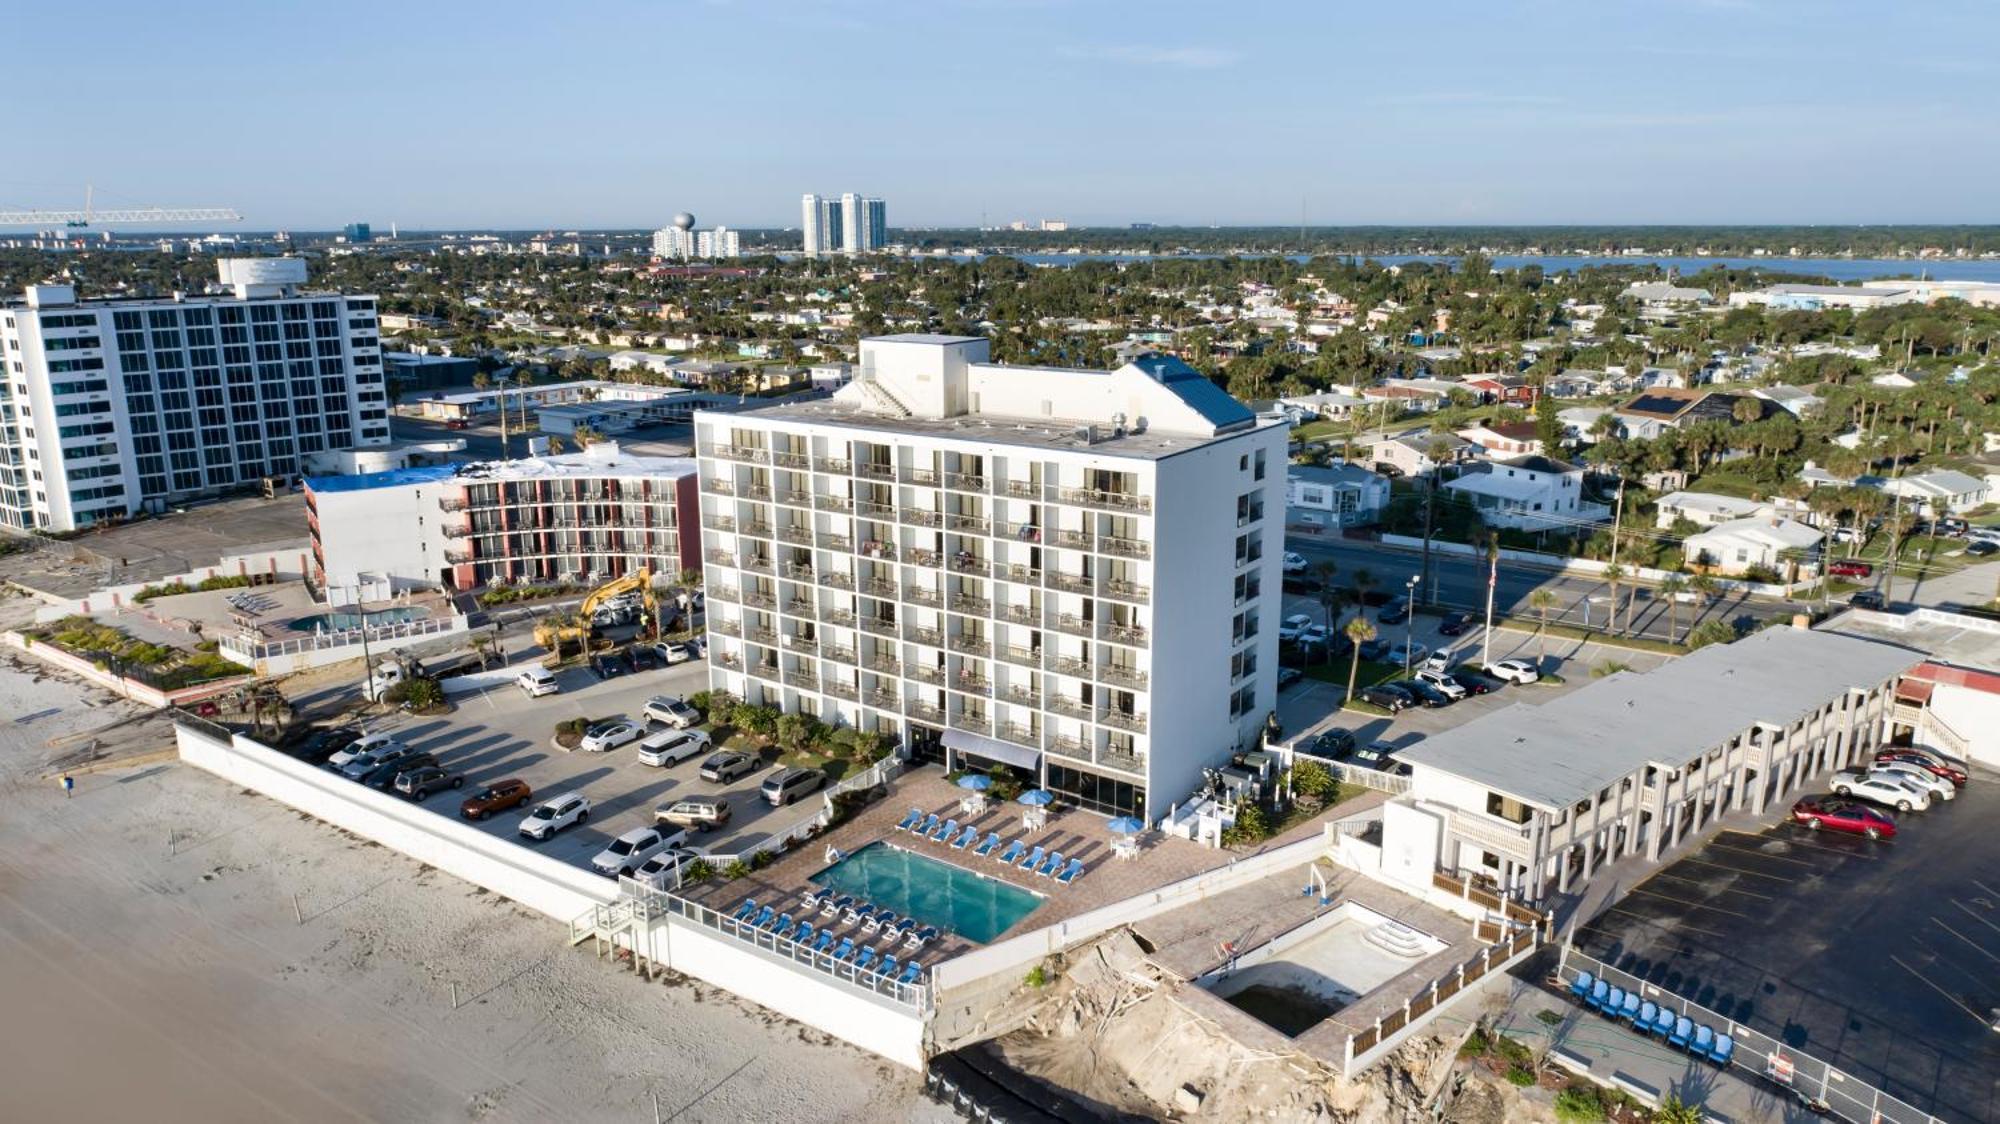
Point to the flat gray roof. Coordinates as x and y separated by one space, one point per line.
993 429
1569 749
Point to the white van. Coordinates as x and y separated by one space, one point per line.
538 681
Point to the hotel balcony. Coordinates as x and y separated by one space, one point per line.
832 541
724 523
920 595
1016 572
879 587
1065 745
799 606
834 615
802 644
716 486
1025 657
1126 548
791 460
798 571
969 524
758 563
458 557
873 471
1129 634
1024 489
1124 591
766 670
975 721
1118 719
927 673
974 606
745 453
885 665
1073 667
756 491
1069 583
878 626
918 556
1024 696
725 593
756 528
829 502
803 536
794 497
842 690
838 654
883 700
971 645
723 627
923 634
873 510
451 530
765 636
1070 707
1021 734
921 477
803 680
760 599
835 465
1121 675
1022 614
1071 624
1125 762
1112 501
719 557
972 684
969 564
923 711
922 517
967 482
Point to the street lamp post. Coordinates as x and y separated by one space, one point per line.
1409 618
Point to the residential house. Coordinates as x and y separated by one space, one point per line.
1331 406
1667 295
1336 496
1526 493
1409 454
1654 411
1739 544
1706 509
1941 491
1800 401
1580 423
1509 390
1817 477
1405 399
1503 439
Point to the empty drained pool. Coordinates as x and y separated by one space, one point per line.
335 622
952 898
1296 980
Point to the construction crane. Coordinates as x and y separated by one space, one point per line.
91 216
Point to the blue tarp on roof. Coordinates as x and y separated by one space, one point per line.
425 474
1194 388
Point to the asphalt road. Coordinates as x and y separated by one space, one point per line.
1460 583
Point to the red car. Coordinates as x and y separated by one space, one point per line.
1840 814
1848 568
1926 762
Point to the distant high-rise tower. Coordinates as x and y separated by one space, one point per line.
357 232
851 224
680 241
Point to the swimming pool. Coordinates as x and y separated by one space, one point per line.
333 622
950 897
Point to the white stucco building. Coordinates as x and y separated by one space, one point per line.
1765 540
1071 572
1941 491
1336 496
1526 493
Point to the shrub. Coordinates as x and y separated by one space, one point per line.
1520 1075
1513 1051
761 859
737 868
700 870
1609 668
1251 826
1037 977
1711 632
1310 778
795 732
1577 1104
418 693
760 720
1673 1110
1475 1044
572 726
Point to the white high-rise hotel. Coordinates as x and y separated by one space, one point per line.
109 407
851 224
1072 572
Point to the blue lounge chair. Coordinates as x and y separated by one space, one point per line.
1613 1002
833 907
894 932
911 971
920 938
845 950
928 824
763 917
804 933
1663 1022
1643 1021
1013 852
1598 994
748 907
859 913
986 848
965 838
944 831
915 817
776 923
1070 872
1034 859
810 900
1052 864
1630 1009
874 924
1704 1041
866 958
1725 1048
887 966
1580 987
824 941
1683 1029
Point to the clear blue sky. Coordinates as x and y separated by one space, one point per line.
593 114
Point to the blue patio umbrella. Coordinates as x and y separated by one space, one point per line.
1126 825
977 782
1037 798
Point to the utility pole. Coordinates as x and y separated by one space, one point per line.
1492 579
1895 552
1430 508
1617 517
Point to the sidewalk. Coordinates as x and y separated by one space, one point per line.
1610 1055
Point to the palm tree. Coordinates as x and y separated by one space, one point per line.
1614 574
1542 600
1671 588
1705 585
1363 582
1360 632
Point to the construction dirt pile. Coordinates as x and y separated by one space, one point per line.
1109 1029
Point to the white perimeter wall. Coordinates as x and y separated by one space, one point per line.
1975 715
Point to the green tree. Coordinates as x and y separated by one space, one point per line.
1542 600
1674 1110
1711 632
1614 576
1548 427
1360 631
1672 587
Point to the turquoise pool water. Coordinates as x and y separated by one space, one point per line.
936 893
333 622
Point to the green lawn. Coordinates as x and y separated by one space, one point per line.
1371 672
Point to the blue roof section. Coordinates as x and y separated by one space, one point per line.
1194 388
425 474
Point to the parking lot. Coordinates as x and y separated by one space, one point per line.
1882 958
1311 703
503 733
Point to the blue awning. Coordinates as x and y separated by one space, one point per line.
993 749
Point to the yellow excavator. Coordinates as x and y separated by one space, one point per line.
554 635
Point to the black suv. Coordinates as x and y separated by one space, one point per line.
1329 744
385 774
1396 612
1423 692
1454 624
1389 698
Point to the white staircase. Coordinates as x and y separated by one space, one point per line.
1397 940
878 399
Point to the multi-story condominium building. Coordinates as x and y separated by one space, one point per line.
851 224
110 407
583 517
1071 572
675 244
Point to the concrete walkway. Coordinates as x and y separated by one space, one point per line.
1610 1055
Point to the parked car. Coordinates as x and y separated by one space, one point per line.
1332 744
1472 681
729 765
675 652
663 870
366 743
365 763
624 854
1314 636
496 797
1438 661
1454 624
383 776
1941 788
553 815
1868 599
609 735
1295 563
1390 698
323 743
1980 548
1881 789
1952 525
671 747
1850 568
787 785
642 657
697 813
1423 692
1288 676
419 783
1442 682
1844 534
1930 762
1292 626
1300 583
607 667
1380 756
1514 671
1376 650
670 710
1411 653
1836 814
1396 612
537 681
1984 534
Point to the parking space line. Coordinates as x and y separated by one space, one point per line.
1985 887
1724 889
1968 940
1955 1001
1676 927
1968 912
1688 902
1767 855
1738 870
